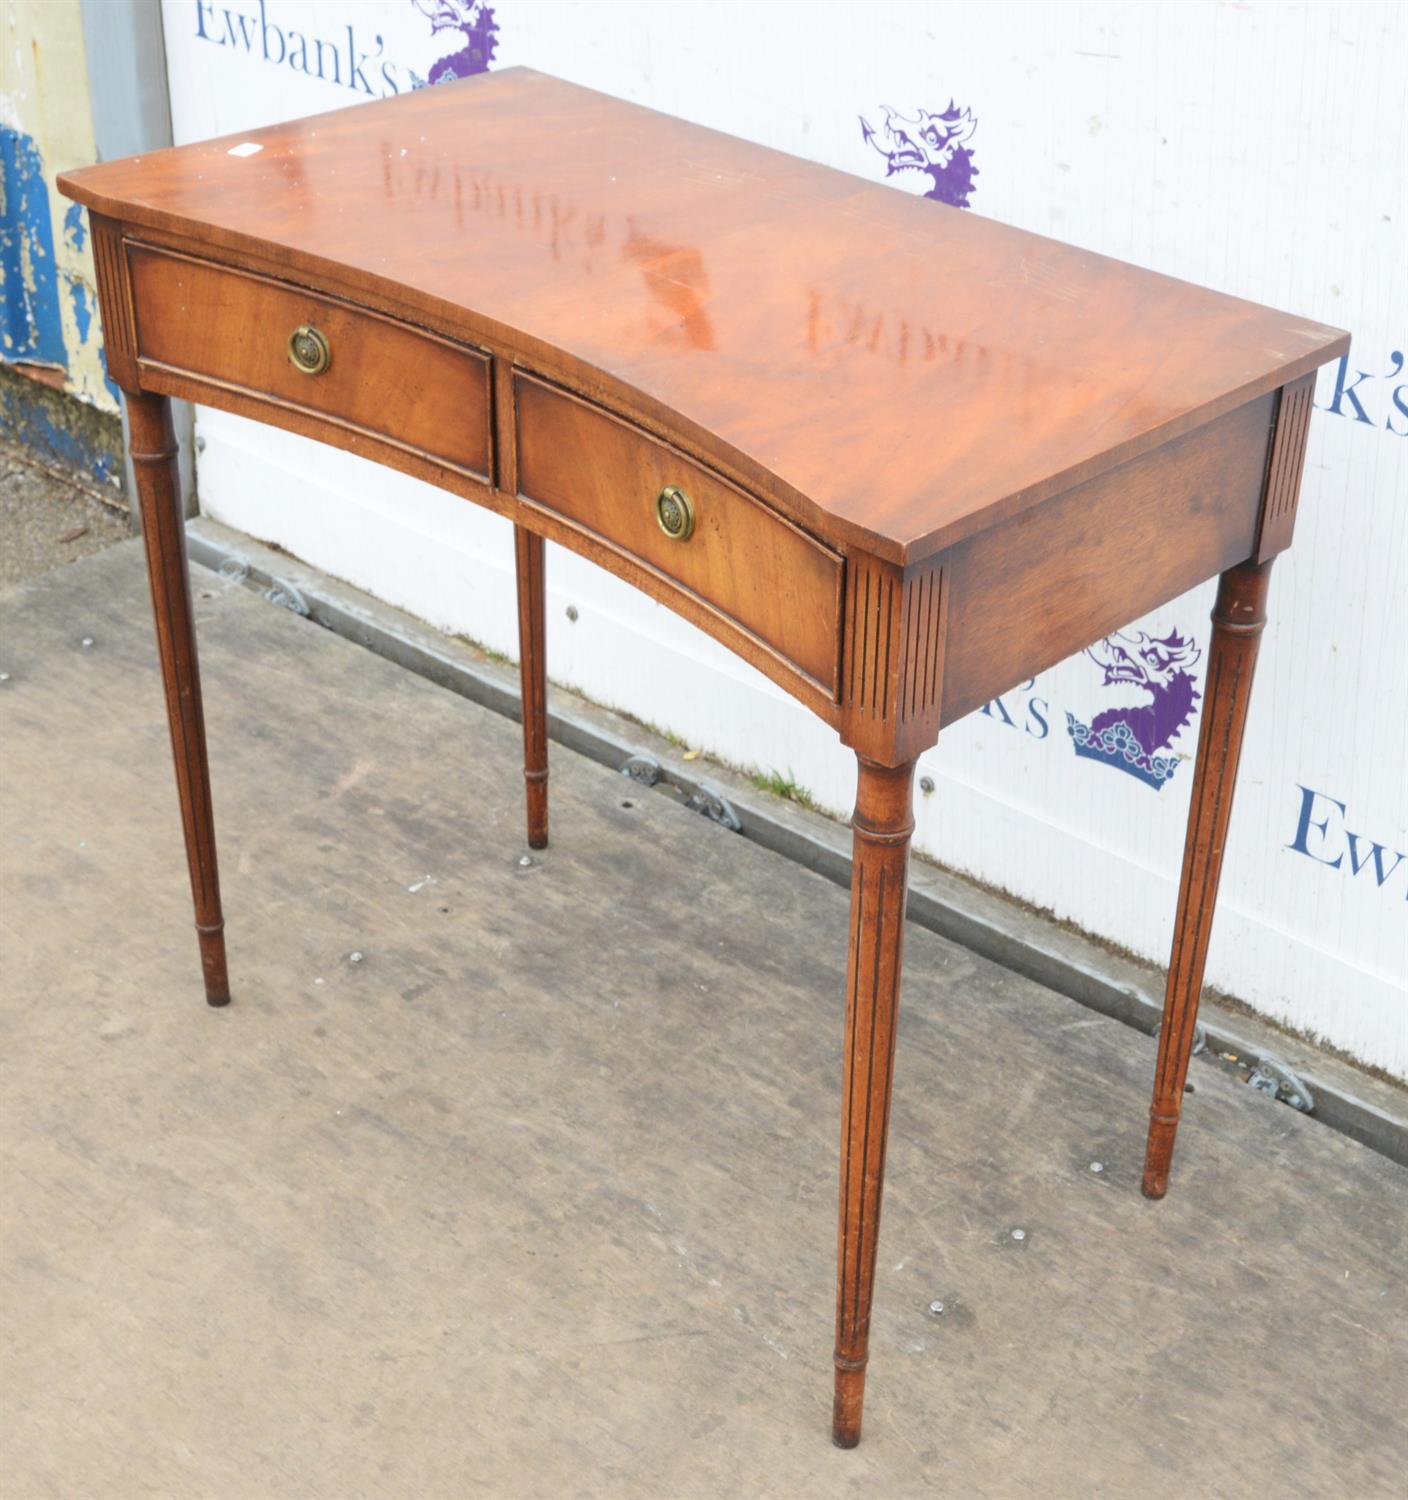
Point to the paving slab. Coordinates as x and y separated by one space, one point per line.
519 1179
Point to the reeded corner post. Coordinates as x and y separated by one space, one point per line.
153 450
881 829
892 679
1238 619
532 668
152 447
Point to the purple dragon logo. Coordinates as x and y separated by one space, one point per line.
925 154
472 29
1129 738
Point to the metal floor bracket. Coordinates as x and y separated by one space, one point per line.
645 770
1273 1078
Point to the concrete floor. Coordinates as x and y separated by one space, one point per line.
46 520
536 1197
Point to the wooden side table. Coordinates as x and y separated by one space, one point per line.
895 455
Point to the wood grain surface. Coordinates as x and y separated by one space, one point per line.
897 372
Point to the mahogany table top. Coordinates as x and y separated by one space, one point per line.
904 373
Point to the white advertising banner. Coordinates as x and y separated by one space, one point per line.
1256 149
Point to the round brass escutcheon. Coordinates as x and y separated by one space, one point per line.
674 510
309 350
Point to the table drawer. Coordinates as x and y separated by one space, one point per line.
744 560
400 385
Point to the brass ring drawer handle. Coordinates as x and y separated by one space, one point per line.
674 510
309 350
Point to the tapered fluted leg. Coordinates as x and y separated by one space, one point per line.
881 827
1238 618
532 666
153 451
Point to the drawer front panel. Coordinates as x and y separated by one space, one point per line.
745 561
395 383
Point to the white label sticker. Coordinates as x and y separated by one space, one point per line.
245 148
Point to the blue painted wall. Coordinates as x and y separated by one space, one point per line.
32 330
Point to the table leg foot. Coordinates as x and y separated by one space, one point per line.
1158 1156
881 828
536 788
849 1401
532 667
212 963
1238 618
152 444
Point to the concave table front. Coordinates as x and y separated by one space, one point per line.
895 455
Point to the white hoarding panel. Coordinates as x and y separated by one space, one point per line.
1255 149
